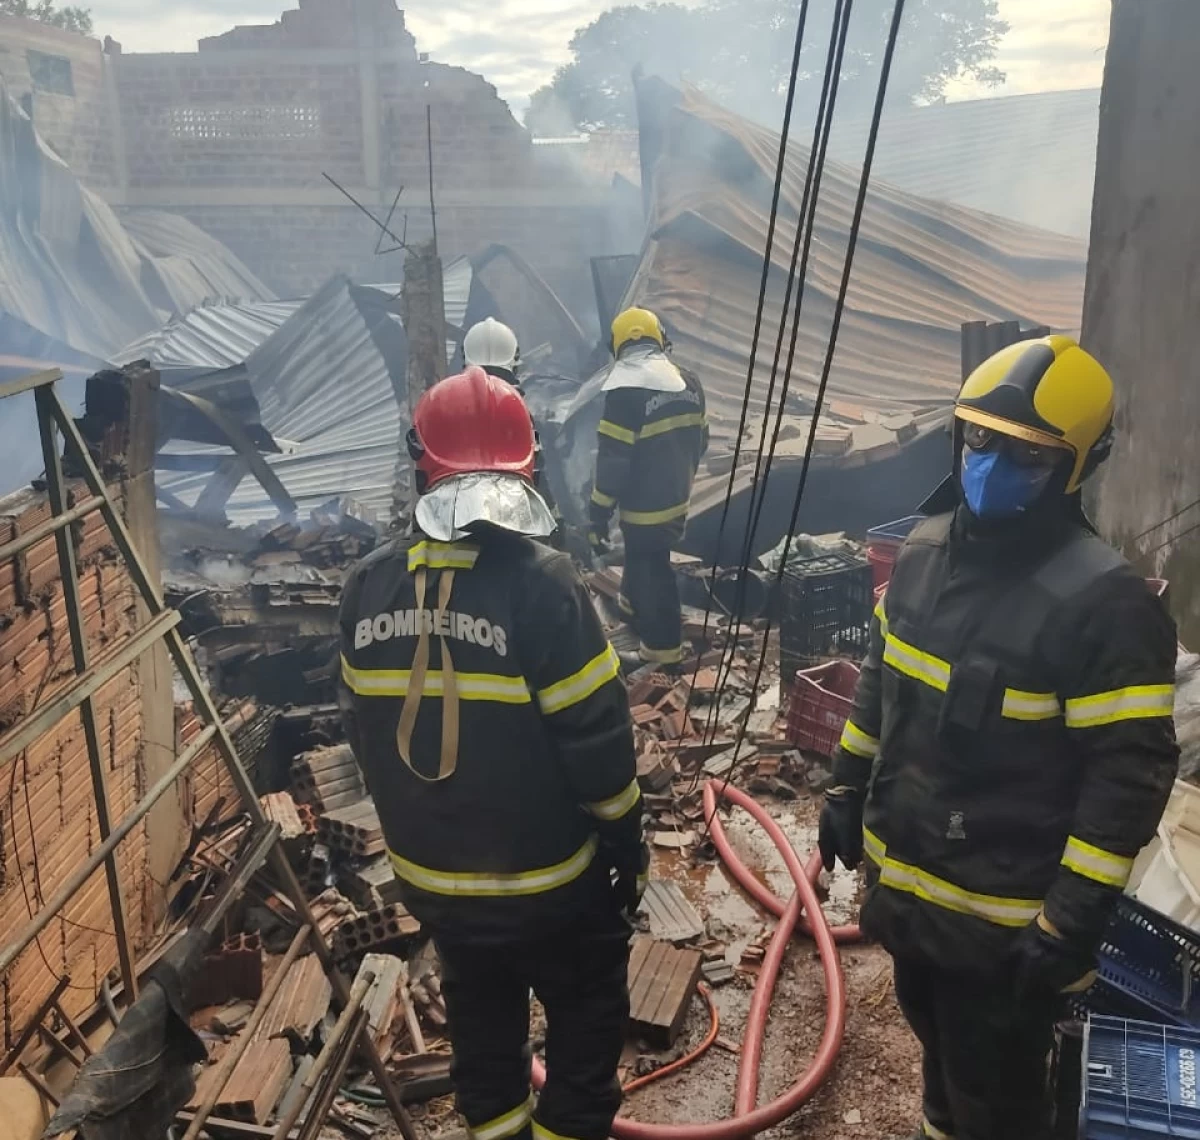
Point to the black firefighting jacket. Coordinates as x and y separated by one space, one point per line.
519 791
1013 733
650 445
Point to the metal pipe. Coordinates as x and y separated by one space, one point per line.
68 572
318 1114
31 1027
358 994
57 523
244 1039
72 886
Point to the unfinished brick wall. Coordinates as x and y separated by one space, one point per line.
63 74
226 120
47 811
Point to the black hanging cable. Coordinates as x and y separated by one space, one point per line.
805 225
758 318
1169 519
822 387
1170 541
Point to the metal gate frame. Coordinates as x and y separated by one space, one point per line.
90 675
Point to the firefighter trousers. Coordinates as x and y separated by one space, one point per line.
650 600
579 974
986 1064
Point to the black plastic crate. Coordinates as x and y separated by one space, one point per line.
1149 967
1139 1080
825 608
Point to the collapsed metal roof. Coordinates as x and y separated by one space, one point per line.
922 268
326 384
1031 158
70 268
212 336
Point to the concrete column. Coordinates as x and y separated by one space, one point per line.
368 78
1143 291
112 94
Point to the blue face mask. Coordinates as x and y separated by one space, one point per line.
995 487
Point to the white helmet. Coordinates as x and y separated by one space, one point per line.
491 344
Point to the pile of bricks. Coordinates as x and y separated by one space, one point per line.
354 830
327 778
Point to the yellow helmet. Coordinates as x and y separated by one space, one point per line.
1048 392
634 325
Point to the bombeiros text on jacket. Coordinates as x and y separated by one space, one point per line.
440 623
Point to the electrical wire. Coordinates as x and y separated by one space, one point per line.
827 368
1169 519
780 166
805 225
1172 540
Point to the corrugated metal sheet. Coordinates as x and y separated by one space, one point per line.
1031 158
212 336
189 266
326 384
70 270
921 269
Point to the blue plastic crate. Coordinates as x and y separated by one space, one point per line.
896 531
1139 1080
1149 967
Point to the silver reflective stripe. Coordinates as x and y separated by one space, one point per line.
858 743
1020 705
481 886
615 807
1133 703
503 1126
1095 863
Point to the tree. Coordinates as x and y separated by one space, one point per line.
740 53
71 18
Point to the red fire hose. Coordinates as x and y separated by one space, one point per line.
804 910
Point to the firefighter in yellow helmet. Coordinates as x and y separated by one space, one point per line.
652 435
1011 746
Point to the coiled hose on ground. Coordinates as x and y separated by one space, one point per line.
802 912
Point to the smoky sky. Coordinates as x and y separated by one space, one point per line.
517 44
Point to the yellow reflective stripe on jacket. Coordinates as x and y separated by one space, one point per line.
914 663
496 885
618 806
660 656
672 423
933 671
603 500
655 518
1095 863
541 1132
471 686
940 892
1133 703
1020 705
882 615
617 432
601 669
859 743
442 555
508 1124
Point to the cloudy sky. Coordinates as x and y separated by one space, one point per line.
1052 44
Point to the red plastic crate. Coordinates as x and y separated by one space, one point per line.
882 560
822 698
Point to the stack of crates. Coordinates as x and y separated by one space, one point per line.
1139 1080
825 611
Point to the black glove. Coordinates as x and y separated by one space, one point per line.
1045 964
598 541
839 835
632 873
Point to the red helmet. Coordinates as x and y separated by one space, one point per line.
471 422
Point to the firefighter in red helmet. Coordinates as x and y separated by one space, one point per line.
486 710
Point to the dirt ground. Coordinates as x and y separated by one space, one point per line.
874 1090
